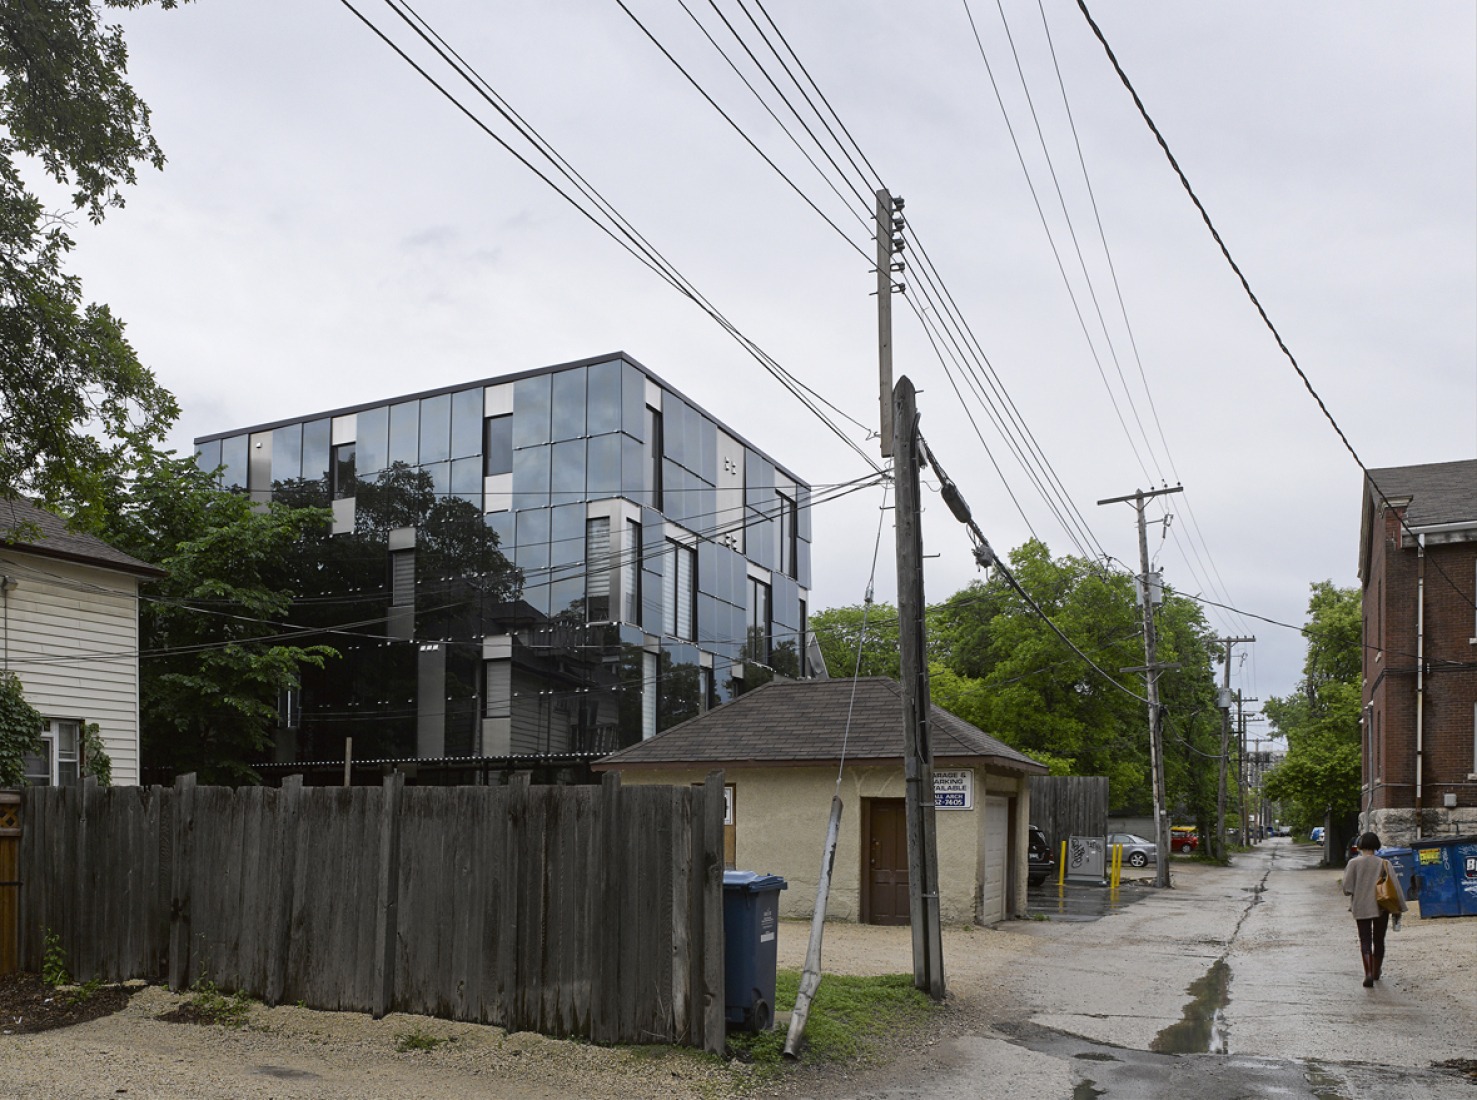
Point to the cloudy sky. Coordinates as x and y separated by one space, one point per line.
330 230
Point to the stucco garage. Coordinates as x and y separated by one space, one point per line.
781 747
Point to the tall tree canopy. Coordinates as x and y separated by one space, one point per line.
994 662
74 398
216 652
1321 772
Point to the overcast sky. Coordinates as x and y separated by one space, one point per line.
329 230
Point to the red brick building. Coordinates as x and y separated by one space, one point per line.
1418 568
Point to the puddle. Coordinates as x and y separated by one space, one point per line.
1203 1028
1087 1090
1097 1056
1324 1086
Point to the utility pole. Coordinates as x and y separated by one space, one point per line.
889 243
1225 709
899 433
1243 770
1151 671
923 874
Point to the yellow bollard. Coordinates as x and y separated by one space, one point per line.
1061 867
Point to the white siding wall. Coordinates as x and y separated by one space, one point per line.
70 632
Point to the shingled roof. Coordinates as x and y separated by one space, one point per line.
804 721
1439 492
25 527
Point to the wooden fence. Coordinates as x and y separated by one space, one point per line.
594 912
1064 806
10 845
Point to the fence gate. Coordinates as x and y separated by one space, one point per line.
10 887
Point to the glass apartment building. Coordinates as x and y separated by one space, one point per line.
564 560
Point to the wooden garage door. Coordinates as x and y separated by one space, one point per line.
886 900
997 832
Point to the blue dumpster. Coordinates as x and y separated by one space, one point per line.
1446 868
751 915
1402 863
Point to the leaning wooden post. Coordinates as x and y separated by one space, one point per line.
810 977
180 888
387 915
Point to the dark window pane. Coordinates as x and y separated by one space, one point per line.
603 398
466 479
373 441
343 471
567 535
208 455
568 404
633 401
440 478
316 434
532 542
435 445
287 453
654 444
603 466
466 423
234 458
597 568
531 411
404 429
567 478
531 477
497 445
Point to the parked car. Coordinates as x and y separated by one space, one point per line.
1316 836
1184 839
1137 852
1040 864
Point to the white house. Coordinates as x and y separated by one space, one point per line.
69 632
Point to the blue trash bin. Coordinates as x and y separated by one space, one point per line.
751 914
1446 869
1402 863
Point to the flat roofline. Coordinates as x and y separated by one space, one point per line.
497 380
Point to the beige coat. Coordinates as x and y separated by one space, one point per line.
1360 877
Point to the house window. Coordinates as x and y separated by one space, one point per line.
757 647
631 574
597 569
56 763
654 451
497 445
402 578
789 534
679 591
341 471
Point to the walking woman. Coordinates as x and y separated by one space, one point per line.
1361 877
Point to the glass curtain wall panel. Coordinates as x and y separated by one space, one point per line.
603 398
435 429
466 423
235 452
531 422
497 445
373 442
405 433
567 405
603 467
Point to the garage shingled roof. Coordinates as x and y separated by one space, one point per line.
802 721
26 527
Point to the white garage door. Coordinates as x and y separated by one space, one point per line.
997 831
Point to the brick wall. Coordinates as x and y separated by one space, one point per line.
1390 606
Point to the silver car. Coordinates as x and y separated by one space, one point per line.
1137 852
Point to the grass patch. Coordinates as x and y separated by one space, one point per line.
850 1019
415 1039
206 1004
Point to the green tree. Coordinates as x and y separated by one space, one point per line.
1322 770
74 399
216 650
20 730
839 631
998 665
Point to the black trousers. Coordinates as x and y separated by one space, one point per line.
1372 935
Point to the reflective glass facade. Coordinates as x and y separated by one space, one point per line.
583 558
